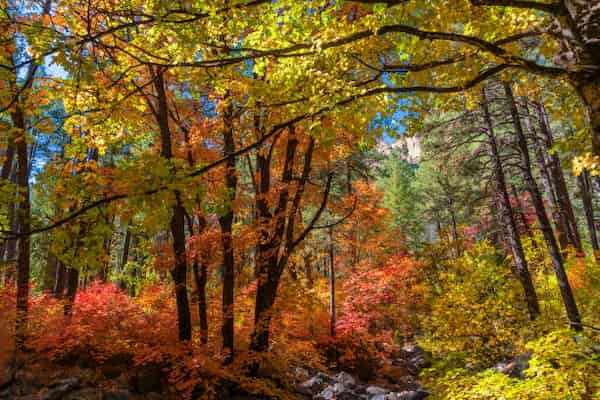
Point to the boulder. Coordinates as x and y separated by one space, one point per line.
515 368
338 392
373 391
314 385
418 394
345 379
60 389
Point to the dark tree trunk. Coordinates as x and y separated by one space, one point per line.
59 281
10 249
124 258
308 269
558 180
544 223
269 266
201 278
72 285
226 222
50 272
5 173
588 209
331 285
560 218
507 218
177 225
23 220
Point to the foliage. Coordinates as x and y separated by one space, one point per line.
563 366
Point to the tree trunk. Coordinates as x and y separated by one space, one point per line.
555 256
50 272
124 258
5 173
72 285
269 266
560 218
59 281
508 220
558 178
23 220
177 225
201 278
266 291
331 285
226 222
588 209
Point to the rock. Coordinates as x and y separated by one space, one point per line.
314 385
122 395
345 379
412 395
301 374
412 350
516 368
60 389
373 391
338 392
147 378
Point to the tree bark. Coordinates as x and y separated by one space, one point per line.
24 226
331 285
124 258
269 267
226 223
50 272
588 209
560 218
558 178
59 281
508 220
72 285
177 225
557 263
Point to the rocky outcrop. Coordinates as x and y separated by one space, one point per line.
398 381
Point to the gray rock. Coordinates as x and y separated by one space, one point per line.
312 386
345 379
515 368
373 391
60 389
338 392
301 374
326 394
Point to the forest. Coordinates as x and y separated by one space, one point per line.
299 199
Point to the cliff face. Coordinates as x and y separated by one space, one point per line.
410 148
